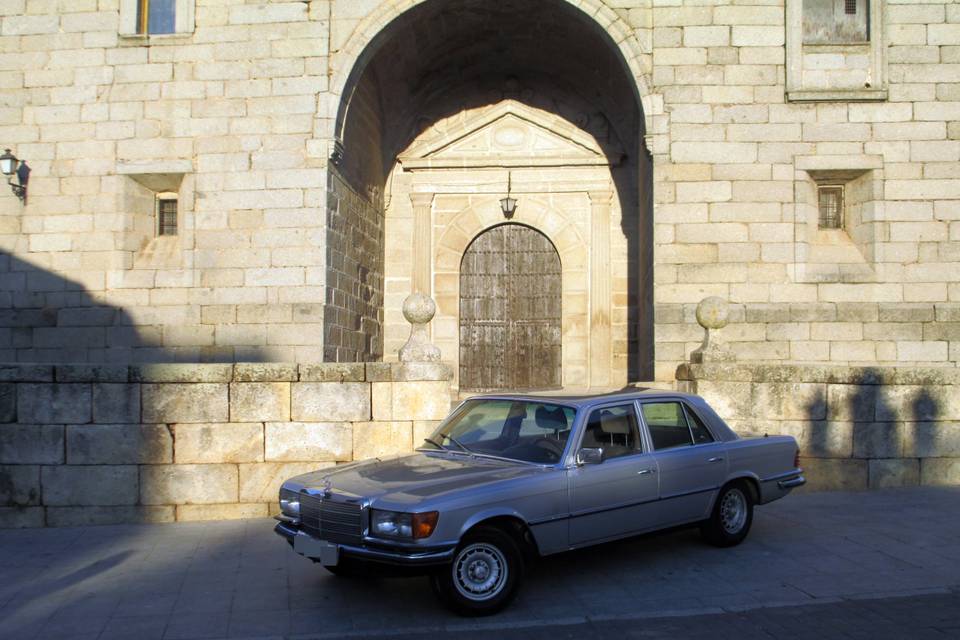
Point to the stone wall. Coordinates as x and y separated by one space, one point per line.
239 115
158 443
353 317
857 427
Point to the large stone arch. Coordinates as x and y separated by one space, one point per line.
347 63
410 65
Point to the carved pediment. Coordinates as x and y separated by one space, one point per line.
509 134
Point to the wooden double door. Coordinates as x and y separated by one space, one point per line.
510 311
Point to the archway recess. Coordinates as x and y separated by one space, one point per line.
442 58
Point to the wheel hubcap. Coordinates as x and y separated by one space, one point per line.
733 511
480 571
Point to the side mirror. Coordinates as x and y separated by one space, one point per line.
589 455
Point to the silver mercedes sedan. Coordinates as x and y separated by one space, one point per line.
506 478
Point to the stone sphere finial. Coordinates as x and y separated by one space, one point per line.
713 313
418 308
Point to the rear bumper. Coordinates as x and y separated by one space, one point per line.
777 486
792 483
381 555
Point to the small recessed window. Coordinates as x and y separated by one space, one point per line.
836 22
156 16
167 216
831 206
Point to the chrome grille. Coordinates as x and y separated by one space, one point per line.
331 520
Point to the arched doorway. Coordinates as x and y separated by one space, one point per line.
510 309
431 71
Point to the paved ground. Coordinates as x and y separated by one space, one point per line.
848 565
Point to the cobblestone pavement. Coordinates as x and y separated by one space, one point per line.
846 565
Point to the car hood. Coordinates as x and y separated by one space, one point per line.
411 479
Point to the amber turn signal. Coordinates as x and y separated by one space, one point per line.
425 523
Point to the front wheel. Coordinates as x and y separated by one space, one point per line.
484 576
732 516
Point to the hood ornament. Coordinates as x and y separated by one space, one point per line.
327 486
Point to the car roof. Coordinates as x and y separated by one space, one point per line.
586 400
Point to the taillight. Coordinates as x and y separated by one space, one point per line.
796 459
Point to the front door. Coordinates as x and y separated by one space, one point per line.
510 311
618 496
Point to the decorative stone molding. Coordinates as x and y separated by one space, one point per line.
422 242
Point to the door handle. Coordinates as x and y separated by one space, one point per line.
644 472
715 459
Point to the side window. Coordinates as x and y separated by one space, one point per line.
667 424
614 429
701 435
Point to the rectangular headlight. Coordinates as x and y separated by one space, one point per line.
290 502
396 524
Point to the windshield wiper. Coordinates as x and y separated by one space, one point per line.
458 443
505 459
435 443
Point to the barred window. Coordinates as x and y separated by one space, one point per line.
166 217
156 16
831 206
836 21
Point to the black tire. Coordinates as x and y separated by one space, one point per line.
485 574
341 571
732 516
348 568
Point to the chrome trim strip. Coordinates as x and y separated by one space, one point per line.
590 512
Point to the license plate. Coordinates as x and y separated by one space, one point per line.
327 552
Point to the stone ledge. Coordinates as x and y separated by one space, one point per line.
238 372
832 374
92 373
182 373
26 373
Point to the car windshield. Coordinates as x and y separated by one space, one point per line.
522 430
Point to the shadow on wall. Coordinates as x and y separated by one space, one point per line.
891 432
48 318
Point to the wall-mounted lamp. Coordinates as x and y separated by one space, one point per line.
11 166
508 205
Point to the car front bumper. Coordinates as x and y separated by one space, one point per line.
382 554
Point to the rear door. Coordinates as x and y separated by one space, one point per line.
617 496
691 462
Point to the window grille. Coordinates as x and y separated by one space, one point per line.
850 7
167 217
831 207
156 16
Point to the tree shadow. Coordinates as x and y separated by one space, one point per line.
46 317
923 434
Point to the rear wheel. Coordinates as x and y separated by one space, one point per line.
732 516
484 576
